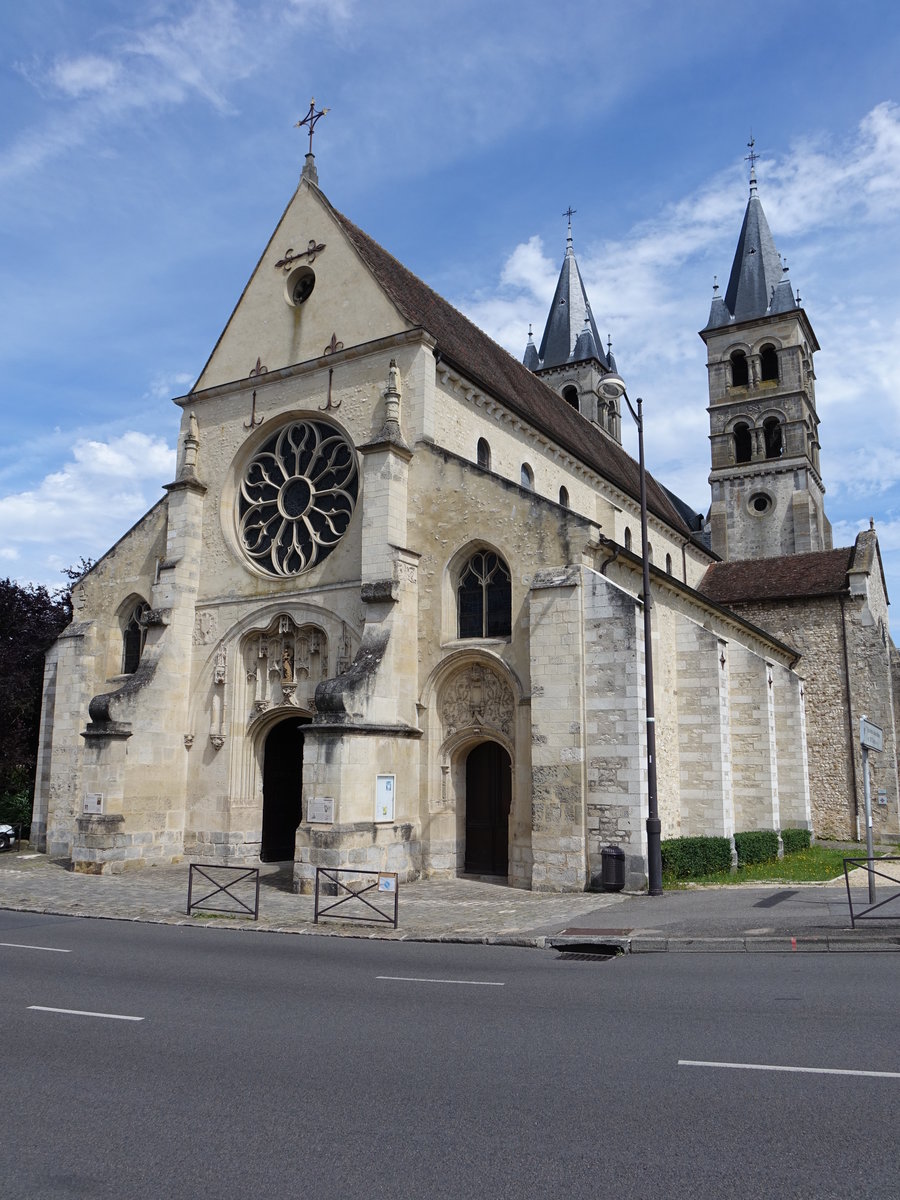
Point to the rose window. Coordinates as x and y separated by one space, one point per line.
296 497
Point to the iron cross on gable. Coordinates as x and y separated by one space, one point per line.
310 119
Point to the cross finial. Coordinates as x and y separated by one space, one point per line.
569 213
310 119
751 159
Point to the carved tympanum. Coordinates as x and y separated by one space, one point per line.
475 697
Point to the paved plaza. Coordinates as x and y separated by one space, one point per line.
782 917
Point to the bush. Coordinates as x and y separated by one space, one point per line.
688 856
15 809
756 846
795 840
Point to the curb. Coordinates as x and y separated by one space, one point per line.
841 941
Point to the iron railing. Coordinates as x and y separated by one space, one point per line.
865 914
384 884
238 875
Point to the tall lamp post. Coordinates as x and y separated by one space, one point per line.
614 387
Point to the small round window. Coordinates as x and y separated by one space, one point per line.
296 497
760 503
299 285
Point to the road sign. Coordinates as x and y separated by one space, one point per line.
870 735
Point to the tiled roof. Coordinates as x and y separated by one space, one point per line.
792 576
488 365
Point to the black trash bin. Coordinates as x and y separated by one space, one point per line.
612 876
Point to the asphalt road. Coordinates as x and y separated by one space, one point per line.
267 1064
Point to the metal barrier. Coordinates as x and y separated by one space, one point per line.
243 874
385 884
865 913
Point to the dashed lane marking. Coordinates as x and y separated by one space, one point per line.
414 979
688 1062
22 946
77 1012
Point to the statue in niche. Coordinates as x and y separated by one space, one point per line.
220 665
287 665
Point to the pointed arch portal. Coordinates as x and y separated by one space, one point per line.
488 797
282 789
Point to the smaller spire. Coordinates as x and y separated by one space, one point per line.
531 360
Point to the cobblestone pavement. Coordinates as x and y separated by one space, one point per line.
454 909
774 917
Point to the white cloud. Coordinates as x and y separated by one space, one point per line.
89 73
85 506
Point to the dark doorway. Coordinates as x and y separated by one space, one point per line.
488 797
282 785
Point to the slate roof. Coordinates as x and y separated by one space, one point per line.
758 284
570 314
789 577
488 365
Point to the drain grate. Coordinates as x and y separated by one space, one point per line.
589 951
576 956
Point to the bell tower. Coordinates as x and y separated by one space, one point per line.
767 493
571 358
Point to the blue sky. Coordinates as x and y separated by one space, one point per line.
147 152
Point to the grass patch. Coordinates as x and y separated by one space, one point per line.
818 864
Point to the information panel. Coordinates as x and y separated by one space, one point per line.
384 797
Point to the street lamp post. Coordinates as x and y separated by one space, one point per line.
613 385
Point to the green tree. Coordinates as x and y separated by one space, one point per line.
31 618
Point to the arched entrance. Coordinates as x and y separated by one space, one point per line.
488 798
282 785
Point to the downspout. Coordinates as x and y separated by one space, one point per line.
843 600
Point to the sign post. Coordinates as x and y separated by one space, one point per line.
871 737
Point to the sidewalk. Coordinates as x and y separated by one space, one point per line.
775 917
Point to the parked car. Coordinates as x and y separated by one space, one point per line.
7 836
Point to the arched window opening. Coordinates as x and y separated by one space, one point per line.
650 552
570 395
627 538
740 374
743 443
564 497
768 363
668 564
484 597
484 455
527 477
773 439
133 637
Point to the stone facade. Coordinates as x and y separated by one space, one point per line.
388 546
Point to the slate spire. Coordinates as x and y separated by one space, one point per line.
570 316
758 284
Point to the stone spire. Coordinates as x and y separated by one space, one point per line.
569 312
759 283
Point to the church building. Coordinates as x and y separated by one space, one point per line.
388 614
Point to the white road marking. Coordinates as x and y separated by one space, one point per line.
414 979
688 1062
22 946
78 1012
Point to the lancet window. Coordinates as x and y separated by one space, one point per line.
134 634
484 597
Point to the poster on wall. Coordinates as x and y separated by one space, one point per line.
384 797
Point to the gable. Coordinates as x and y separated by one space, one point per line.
345 302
